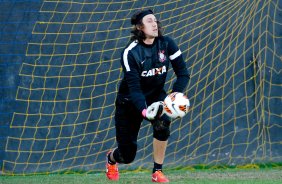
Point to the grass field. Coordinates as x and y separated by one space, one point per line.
224 176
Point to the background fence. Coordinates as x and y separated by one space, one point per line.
60 70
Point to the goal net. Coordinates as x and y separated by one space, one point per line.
64 117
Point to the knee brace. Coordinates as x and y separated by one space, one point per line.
125 153
161 130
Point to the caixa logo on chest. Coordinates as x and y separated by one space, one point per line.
154 71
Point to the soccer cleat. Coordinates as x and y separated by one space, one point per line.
111 170
159 177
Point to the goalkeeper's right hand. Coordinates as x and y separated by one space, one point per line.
154 111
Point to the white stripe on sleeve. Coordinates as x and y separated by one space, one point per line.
125 54
175 55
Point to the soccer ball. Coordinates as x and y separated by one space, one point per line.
176 105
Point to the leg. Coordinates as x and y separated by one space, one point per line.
161 134
127 122
159 148
127 126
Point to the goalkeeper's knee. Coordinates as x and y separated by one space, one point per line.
125 153
161 129
162 135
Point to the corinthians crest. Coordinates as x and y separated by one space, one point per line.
162 56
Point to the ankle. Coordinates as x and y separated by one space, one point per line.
157 167
110 161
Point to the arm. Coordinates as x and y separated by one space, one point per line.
132 77
179 67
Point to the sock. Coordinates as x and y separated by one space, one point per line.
109 159
157 167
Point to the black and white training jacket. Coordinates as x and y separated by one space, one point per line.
145 69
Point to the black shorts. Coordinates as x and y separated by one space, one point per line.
127 121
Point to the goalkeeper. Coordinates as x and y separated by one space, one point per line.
145 62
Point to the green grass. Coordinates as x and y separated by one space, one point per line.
217 176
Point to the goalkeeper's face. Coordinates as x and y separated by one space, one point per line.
150 26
